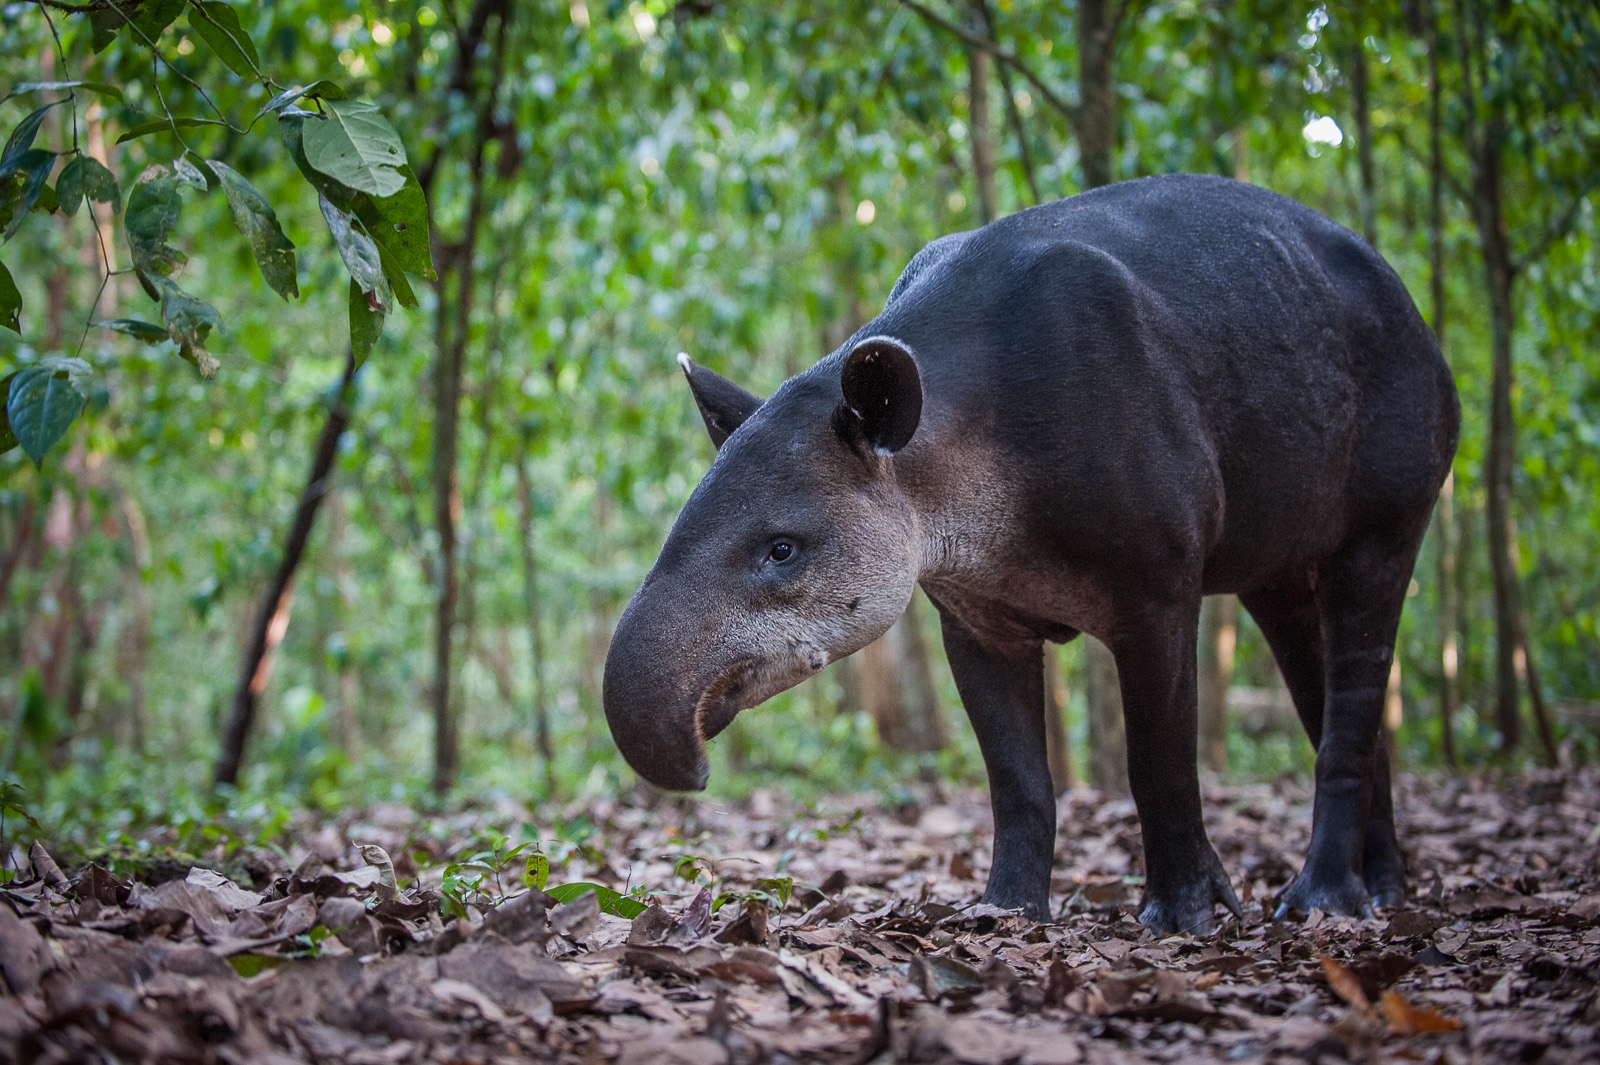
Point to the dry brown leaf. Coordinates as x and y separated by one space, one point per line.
1406 1019
1344 983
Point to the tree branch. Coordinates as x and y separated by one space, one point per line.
1009 59
1557 230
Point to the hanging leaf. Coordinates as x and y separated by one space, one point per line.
98 87
322 90
16 200
366 322
399 223
10 301
189 321
218 26
83 176
291 131
21 138
255 218
149 332
357 147
192 175
152 213
154 18
360 254
43 401
166 125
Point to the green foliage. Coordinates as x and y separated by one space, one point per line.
42 400
82 176
611 901
355 146
256 219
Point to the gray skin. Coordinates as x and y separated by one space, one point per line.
1080 418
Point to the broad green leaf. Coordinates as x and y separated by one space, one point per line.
21 138
99 87
366 322
219 26
10 301
46 203
33 166
149 332
42 402
103 26
152 212
399 223
291 131
611 901
322 90
259 223
164 125
356 147
83 176
360 254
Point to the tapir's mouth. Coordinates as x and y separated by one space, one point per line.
749 682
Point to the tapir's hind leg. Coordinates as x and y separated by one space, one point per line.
1288 617
1359 595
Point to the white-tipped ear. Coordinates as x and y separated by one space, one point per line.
724 406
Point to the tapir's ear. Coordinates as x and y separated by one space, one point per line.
723 405
882 394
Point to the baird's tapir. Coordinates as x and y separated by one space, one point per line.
1079 418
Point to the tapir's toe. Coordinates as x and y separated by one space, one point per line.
1346 896
1190 907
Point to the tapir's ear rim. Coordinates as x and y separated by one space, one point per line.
723 405
882 388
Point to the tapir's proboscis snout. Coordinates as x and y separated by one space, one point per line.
1080 418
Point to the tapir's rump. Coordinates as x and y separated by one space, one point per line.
1082 417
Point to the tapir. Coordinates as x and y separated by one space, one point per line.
1080 418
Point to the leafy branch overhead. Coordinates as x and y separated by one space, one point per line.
347 151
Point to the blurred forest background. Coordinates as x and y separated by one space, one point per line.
378 554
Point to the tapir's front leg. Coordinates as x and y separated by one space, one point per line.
1003 691
1156 672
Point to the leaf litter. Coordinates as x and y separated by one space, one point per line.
706 933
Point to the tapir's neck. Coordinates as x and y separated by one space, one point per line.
962 506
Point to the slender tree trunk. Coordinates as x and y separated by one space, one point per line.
1485 139
530 601
450 339
22 539
1444 515
1363 123
1219 634
982 134
1096 93
1013 114
1058 744
897 687
1108 747
347 724
272 617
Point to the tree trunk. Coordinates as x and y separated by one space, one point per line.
1096 94
1108 748
1363 123
530 601
897 687
982 134
1058 743
1444 515
347 725
1219 635
272 617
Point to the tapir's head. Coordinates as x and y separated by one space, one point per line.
795 550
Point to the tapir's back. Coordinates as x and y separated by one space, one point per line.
1183 336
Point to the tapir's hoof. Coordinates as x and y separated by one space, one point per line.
1191 908
1034 909
1346 897
1386 886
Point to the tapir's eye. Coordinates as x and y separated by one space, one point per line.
781 552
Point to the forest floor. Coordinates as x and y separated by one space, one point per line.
873 948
